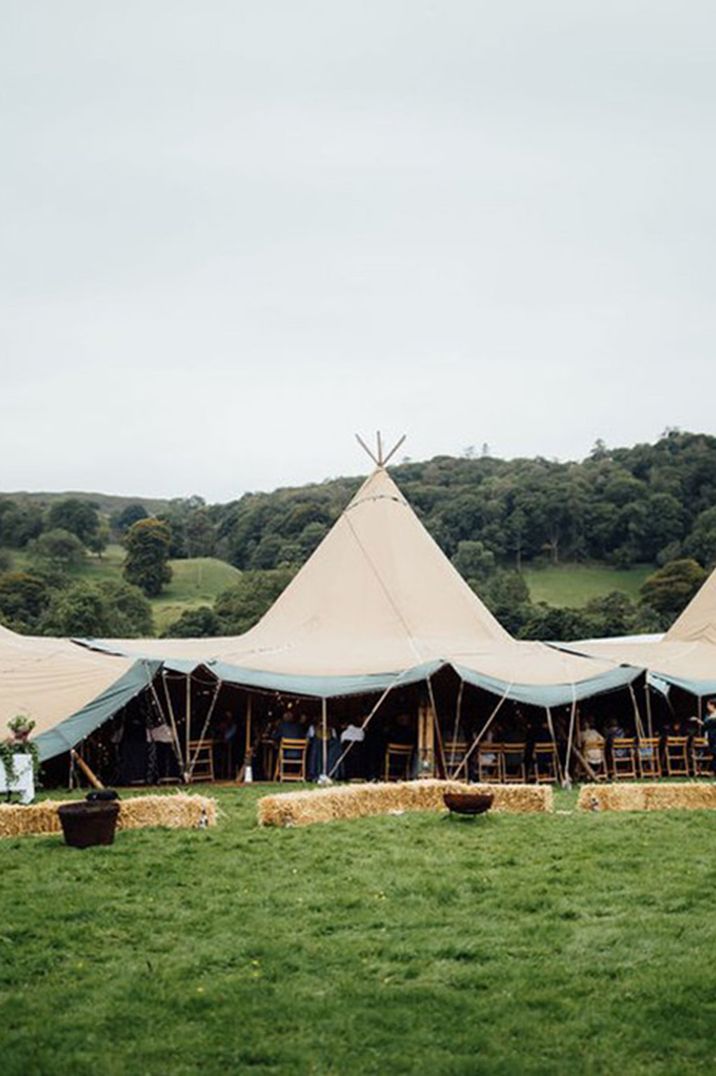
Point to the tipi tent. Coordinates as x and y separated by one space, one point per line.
378 603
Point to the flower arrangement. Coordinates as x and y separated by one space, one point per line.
19 744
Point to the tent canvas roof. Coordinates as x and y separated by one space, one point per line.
55 682
377 598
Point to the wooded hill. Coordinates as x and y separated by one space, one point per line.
500 521
646 504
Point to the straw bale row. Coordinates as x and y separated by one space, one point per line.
180 811
358 801
648 797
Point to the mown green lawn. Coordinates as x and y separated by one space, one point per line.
576 584
414 943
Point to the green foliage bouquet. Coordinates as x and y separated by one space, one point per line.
19 744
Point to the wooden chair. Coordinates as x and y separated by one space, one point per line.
514 770
676 756
400 756
595 757
701 757
544 763
454 751
201 753
623 751
489 762
291 760
648 756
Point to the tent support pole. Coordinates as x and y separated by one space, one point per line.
248 759
324 734
207 719
175 739
567 783
458 714
649 723
187 719
637 715
175 730
436 725
365 724
478 738
550 726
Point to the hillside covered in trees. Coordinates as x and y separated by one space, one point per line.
652 504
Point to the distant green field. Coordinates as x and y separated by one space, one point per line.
536 944
196 581
576 584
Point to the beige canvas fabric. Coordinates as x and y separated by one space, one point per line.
51 679
697 623
687 650
680 660
377 596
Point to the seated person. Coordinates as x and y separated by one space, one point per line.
591 743
709 727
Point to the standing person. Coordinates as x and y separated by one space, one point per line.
353 764
709 724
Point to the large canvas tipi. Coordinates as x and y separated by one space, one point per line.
378 602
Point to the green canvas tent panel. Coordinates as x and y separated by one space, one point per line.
68 733
545 695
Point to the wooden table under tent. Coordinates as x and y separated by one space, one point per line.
377 651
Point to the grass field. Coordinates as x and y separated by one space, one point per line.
196 581
509 944
576 584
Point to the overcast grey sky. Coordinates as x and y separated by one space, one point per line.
235 233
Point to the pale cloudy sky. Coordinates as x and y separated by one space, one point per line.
232 234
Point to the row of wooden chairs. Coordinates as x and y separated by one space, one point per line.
630 758
504 763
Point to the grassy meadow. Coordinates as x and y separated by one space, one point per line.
576 584
195 581
404 944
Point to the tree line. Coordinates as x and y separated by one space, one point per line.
649 504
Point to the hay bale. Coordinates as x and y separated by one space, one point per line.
179 811
693 796
358 801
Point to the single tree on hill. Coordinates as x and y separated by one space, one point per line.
671 588
80 518
147 543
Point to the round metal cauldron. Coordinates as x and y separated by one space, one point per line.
86 824
470 803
